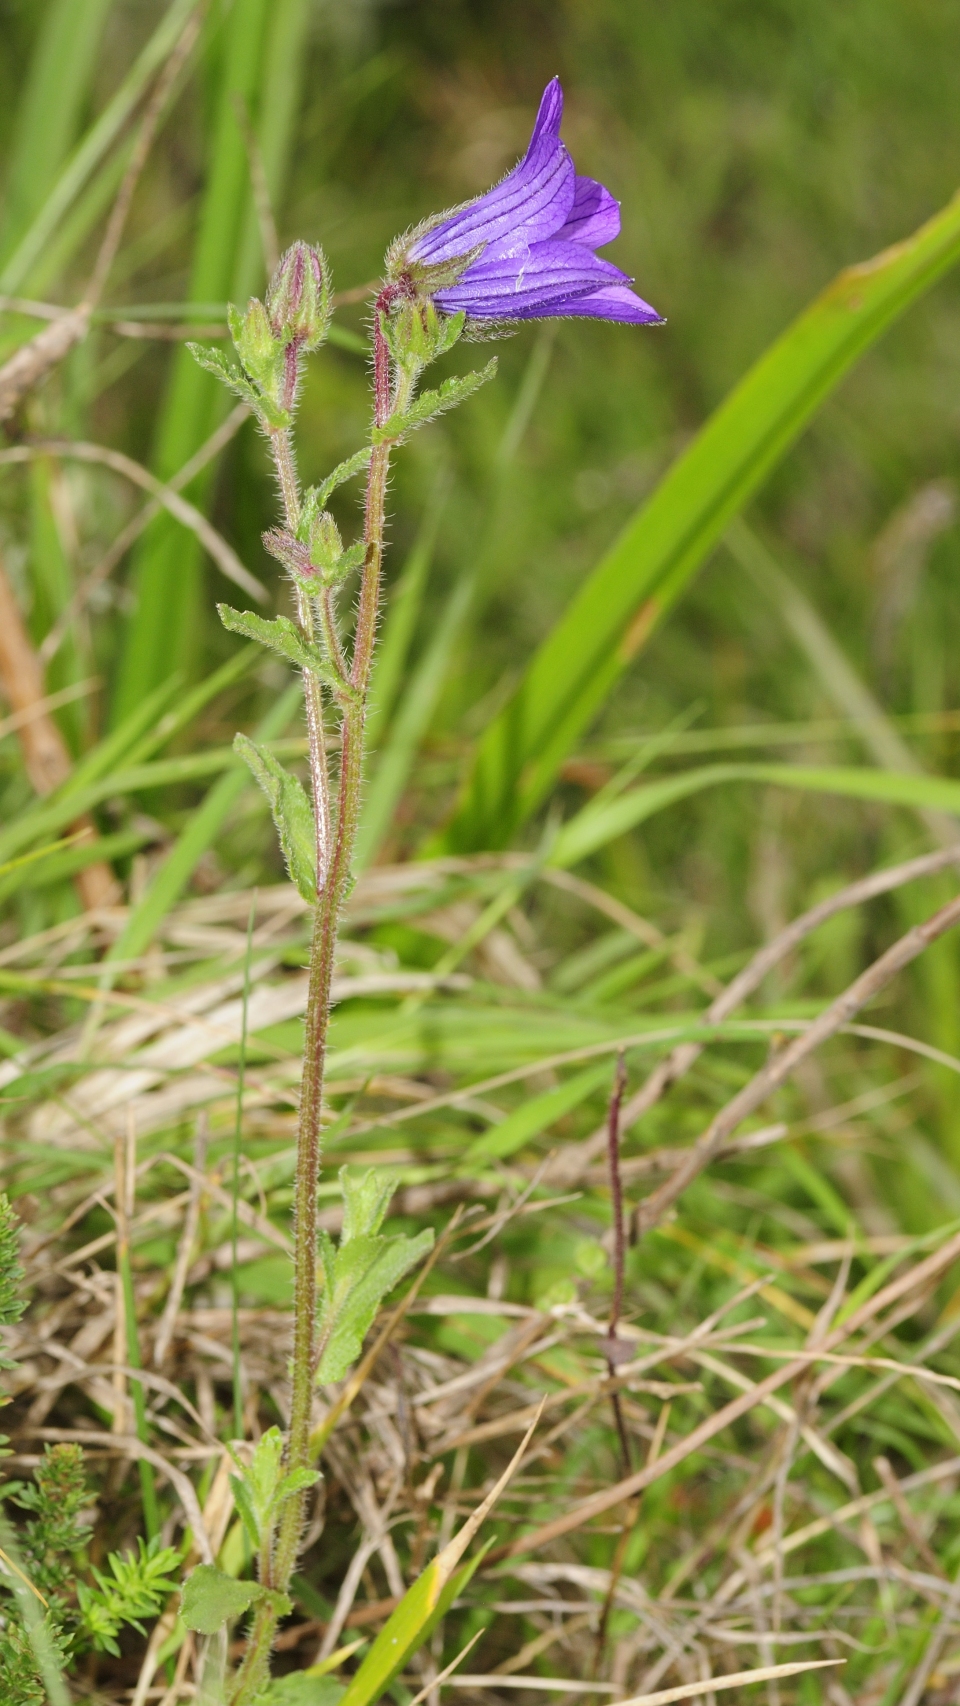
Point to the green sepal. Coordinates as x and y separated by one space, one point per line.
351 558
430 404
261 353
292 813
319 538
210 1598
416 333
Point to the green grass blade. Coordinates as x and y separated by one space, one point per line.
534 1116
652 562
50 108
833 669
38 1630
125 745
425 1602
148 1489
167 569
54 864
396 761
94 147
400 621
595 826
200 833
284 66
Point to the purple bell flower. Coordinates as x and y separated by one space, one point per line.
528 244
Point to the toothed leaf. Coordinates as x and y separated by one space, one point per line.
430 404
360 1272
215 362
281 635
210 1599
292 813
315 498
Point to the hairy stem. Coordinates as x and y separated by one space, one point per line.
331 892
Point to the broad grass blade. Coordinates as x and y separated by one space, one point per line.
260 42
653 560
50 108
410 724
202 830
425 1602
534 1116
596 825
94 148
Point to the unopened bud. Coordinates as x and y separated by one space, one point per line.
326 545
298 298
417 334
289 551
259 350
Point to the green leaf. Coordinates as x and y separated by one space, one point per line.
210 1599
302 1689
366 1198
315 497
598 824
535 1116
292 813
359 1276
262 1487
361 1270
281 635
653 560
430 404
214 361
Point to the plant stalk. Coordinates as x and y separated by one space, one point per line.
334 858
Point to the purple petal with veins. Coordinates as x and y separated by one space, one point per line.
532 202
545 273
612 302
537 230
594 218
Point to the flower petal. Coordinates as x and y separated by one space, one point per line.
510 287
549 115
611 302
532 202
529 204
594 218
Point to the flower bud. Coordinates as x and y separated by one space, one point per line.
298 297
326 545
259 350
417 334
